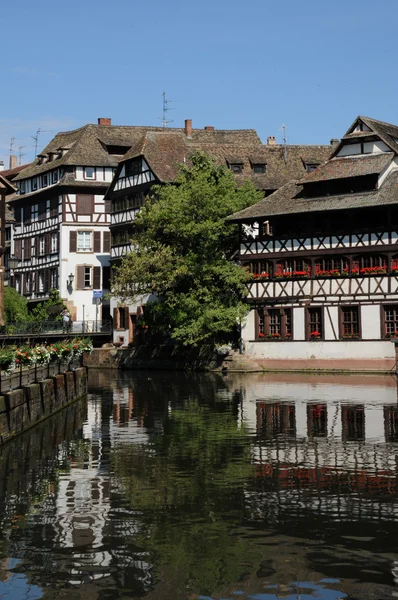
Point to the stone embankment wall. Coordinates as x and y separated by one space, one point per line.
23 408
169 358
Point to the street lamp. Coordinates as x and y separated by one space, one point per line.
13 263
69 282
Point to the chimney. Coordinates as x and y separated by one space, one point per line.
13 161
209 128
334 142
188 128
271 141
105 122
1 165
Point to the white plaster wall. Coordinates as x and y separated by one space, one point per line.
321 350
68 263
101 174
298 323
331 322
375 147
370 322
349 149
248 327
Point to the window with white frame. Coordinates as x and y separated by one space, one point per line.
34 212
42 245
48 209
84 241
89 173
54 279
41 281
33 246
54 242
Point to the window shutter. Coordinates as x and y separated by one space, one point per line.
27 214
47 244
115 318
18 249
84 204
107 207
80 277
37 242
27 248
107 241
97 241
97 278
25 284
46 280
126 317
72 241
42 211
53 207
106 278
37 281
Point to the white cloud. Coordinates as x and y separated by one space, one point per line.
31 72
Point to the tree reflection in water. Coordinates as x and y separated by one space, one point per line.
199 466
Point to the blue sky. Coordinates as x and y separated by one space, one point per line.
311 65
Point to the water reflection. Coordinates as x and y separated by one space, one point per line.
203 486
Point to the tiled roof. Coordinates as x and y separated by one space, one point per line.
164 148
353 166
10 174
289 199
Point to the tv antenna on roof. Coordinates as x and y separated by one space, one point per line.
165 120
36 137
284 139
21 154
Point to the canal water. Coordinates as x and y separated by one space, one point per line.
170 486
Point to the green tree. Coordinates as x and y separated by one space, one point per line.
183 254
15 306
48 310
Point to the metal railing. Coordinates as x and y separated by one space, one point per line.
57 328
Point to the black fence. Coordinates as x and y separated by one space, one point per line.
72 328
22 376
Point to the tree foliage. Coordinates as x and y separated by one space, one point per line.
182 254
15 306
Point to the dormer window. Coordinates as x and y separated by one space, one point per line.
259 167
89 172
236 168
309 167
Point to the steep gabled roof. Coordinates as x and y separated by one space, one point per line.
387 132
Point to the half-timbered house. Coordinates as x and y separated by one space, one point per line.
6 188
61 232
154 159
322 252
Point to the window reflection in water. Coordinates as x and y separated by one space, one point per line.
276 418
